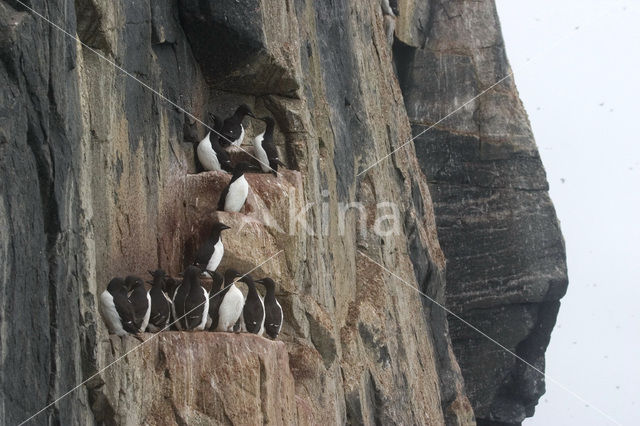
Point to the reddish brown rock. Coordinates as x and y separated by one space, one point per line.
198 378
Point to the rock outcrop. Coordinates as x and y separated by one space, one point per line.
98 180
506 268
243 379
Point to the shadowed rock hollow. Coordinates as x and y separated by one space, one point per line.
98 180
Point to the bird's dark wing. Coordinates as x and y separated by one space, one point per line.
171 286
194 308
223 158
223 197
252 313
229 124
140 304
214 307
272 154
160 309
204 253
273 319
126 313
179 305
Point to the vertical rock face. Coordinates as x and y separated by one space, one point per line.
98 180
506 268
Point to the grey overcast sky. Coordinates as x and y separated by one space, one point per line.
577 68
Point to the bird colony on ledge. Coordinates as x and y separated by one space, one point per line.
127 306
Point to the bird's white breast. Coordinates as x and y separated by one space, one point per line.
216 256
110 314
173 309
238 141
261 154
205 313
237 195
281 317
264 316
230 309
207 155
147 315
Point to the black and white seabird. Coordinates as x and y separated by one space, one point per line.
265 148
170 286
211 155
210 253
235 193
272 309
232 302
191 302
117 312
390 7
160 302
215 298
232 129
253 311
141 301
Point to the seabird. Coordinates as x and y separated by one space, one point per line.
390 7
160 302
232 129
221 155
253 311
272 309
117 312
170 286
265 149
235 193
215 299
210 253
232 302
191 302
141 301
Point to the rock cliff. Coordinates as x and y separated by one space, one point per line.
506 267
98 179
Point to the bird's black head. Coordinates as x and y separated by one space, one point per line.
268 283
191 274
158 273
216 121
243 110
218 280
117 285
158 278
394 7
170 285
270 122
132 282
247 278
218 228
230 275
241 168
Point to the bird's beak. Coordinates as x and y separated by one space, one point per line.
250 114
225 227
149 271
149 282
